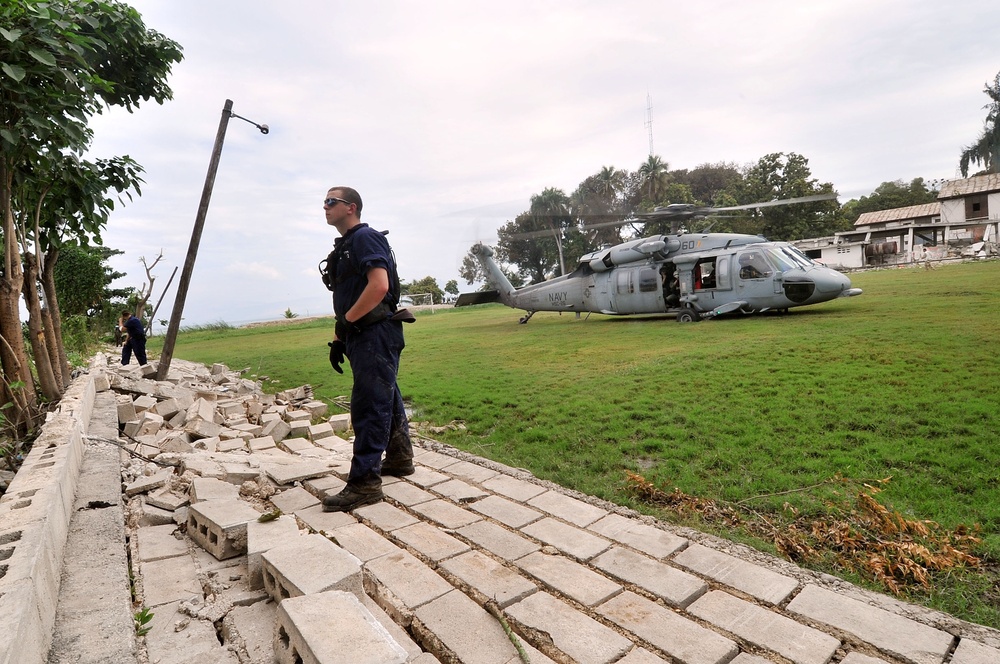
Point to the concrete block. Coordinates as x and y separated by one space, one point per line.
340 422
498 540
218 369
169 580
456 625
304 632
296 445
254 430
887 631
471 472
175 444
654 541
264 536
488 579
427 478
572 541
322 522
293 500
277 429
210 488
166 499
506 512
126 410
296 415
754 580
147 483
460 492
231 445
143 403
220 526
316 408
261 444
159 542
385 517
447 514
570 578
167 408
175 638
298 429
675 587
577 635
969 652
201 409
362 541
566 508
406 494
289 473
321 430
199 428
430 541
764 628
309 564
151 515
682 639
400 583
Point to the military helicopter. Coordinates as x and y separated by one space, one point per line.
690 275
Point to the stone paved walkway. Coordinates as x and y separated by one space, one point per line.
462 548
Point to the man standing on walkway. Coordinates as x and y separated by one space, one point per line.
361 271
136 341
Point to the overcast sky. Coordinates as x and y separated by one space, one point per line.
448 116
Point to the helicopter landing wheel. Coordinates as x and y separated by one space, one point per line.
687 315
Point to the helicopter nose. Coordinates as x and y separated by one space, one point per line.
830 281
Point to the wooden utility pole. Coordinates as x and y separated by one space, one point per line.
199 225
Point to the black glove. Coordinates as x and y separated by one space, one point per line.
337 349
340 329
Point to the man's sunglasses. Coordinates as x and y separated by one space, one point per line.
330 202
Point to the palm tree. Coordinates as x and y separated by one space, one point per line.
552 208
986 149
653 173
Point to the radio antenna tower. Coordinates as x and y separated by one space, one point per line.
649 121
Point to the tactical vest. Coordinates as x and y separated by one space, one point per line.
328 271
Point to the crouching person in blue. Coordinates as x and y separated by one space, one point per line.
361 271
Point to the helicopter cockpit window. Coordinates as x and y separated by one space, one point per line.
753 265
799 257
784 263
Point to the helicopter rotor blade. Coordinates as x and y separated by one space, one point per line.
781 201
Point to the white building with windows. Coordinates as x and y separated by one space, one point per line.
963 222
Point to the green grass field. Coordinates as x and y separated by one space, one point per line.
899 383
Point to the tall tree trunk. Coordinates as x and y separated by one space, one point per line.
13 356
53 325
43 363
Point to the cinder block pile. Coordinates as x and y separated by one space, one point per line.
211 451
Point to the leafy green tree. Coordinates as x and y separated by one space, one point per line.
425 285
779 176
451 287
61 62
551 210
518 246
599 202
890 195
653 177
986 149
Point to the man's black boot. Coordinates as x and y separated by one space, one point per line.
398 468
353 497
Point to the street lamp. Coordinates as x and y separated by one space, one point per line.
199 225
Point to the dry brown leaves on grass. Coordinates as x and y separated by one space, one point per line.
861 535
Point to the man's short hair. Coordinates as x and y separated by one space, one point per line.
350 195
126 312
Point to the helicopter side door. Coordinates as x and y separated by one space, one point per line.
755 276
712 280
637 290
